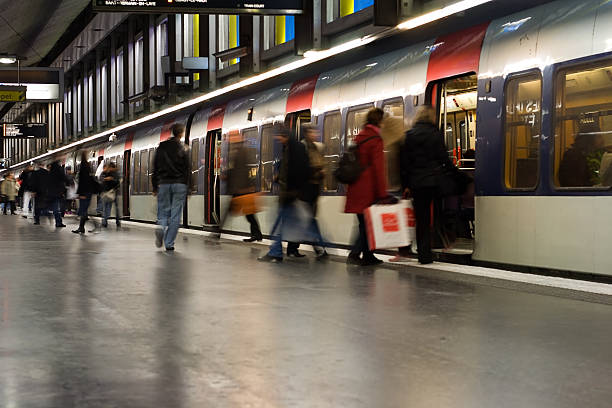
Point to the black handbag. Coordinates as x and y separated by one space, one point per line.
451 182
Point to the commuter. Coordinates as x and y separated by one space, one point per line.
87 187
110 188
312 189
27 207
293 175
9 191
371 186
39 181
71 188
423 156
56 190
171 185
581 162
240 183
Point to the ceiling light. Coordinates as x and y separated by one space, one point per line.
6 59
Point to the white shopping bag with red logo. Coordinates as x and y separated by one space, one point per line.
390 225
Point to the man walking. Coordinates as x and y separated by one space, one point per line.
171 181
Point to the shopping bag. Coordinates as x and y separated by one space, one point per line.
410 221
245 204
388 225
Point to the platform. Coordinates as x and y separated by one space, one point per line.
108 320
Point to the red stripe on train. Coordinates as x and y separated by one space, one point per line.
166 131
301 94
457 53
215 120
129 140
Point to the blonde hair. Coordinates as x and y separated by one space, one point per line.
426 114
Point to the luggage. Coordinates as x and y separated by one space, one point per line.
245 204
349 168
390 226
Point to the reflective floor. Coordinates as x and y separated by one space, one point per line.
108 320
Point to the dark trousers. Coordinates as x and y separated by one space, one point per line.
255 230
423 198
52 204
11 204
361 243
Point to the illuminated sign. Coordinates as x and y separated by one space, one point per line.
202 6
24 131
40 84
12 93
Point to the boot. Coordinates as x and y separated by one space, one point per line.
81 229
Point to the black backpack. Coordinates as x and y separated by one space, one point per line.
349 168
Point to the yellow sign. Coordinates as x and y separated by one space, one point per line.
12 93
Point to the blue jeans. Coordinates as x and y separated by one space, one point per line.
108 207
287 216
170 201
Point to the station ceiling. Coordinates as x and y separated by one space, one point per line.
30 28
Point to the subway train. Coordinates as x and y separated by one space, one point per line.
529 94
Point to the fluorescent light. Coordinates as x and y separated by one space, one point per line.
8 60
440 13
310 57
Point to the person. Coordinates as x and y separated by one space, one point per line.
581 162
240 183
293 175
56 191
171 185
8 190
312 189
371 186
87 187
423 155
110 187
39 182
27 192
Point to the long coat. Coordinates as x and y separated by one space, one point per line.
372 183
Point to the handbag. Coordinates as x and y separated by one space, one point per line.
451 182
245 204
108 196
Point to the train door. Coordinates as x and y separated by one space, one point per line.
212 171
295 120
125 191
455 100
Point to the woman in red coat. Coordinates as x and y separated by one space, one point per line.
371 185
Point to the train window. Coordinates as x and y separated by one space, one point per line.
144 171
136 178
195 164
583 126
522 128
393 136
332 129
267 158
251 144
355 121
150 170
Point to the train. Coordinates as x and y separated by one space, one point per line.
529 95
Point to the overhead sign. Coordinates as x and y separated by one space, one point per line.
12 93
40 84
202 6
24 131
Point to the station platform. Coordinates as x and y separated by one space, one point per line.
108 320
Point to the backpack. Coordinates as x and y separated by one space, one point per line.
349 168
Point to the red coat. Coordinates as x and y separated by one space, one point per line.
372 183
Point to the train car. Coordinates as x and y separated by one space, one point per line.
524 103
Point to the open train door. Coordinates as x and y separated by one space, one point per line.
125 190
212 171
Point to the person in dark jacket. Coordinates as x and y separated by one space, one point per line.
293 175
56 191
371 185
39 182
87 186
239 182
581 162
422 157
171 185
110 188
26 192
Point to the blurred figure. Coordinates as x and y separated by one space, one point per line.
312 189
581 162
27 190
71 189
56 191
39 182
171 181
110 187
87 186
8 189
423 155
370 187
293 175
240 183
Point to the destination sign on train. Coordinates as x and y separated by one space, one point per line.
202 6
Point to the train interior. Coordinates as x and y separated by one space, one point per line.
455 100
